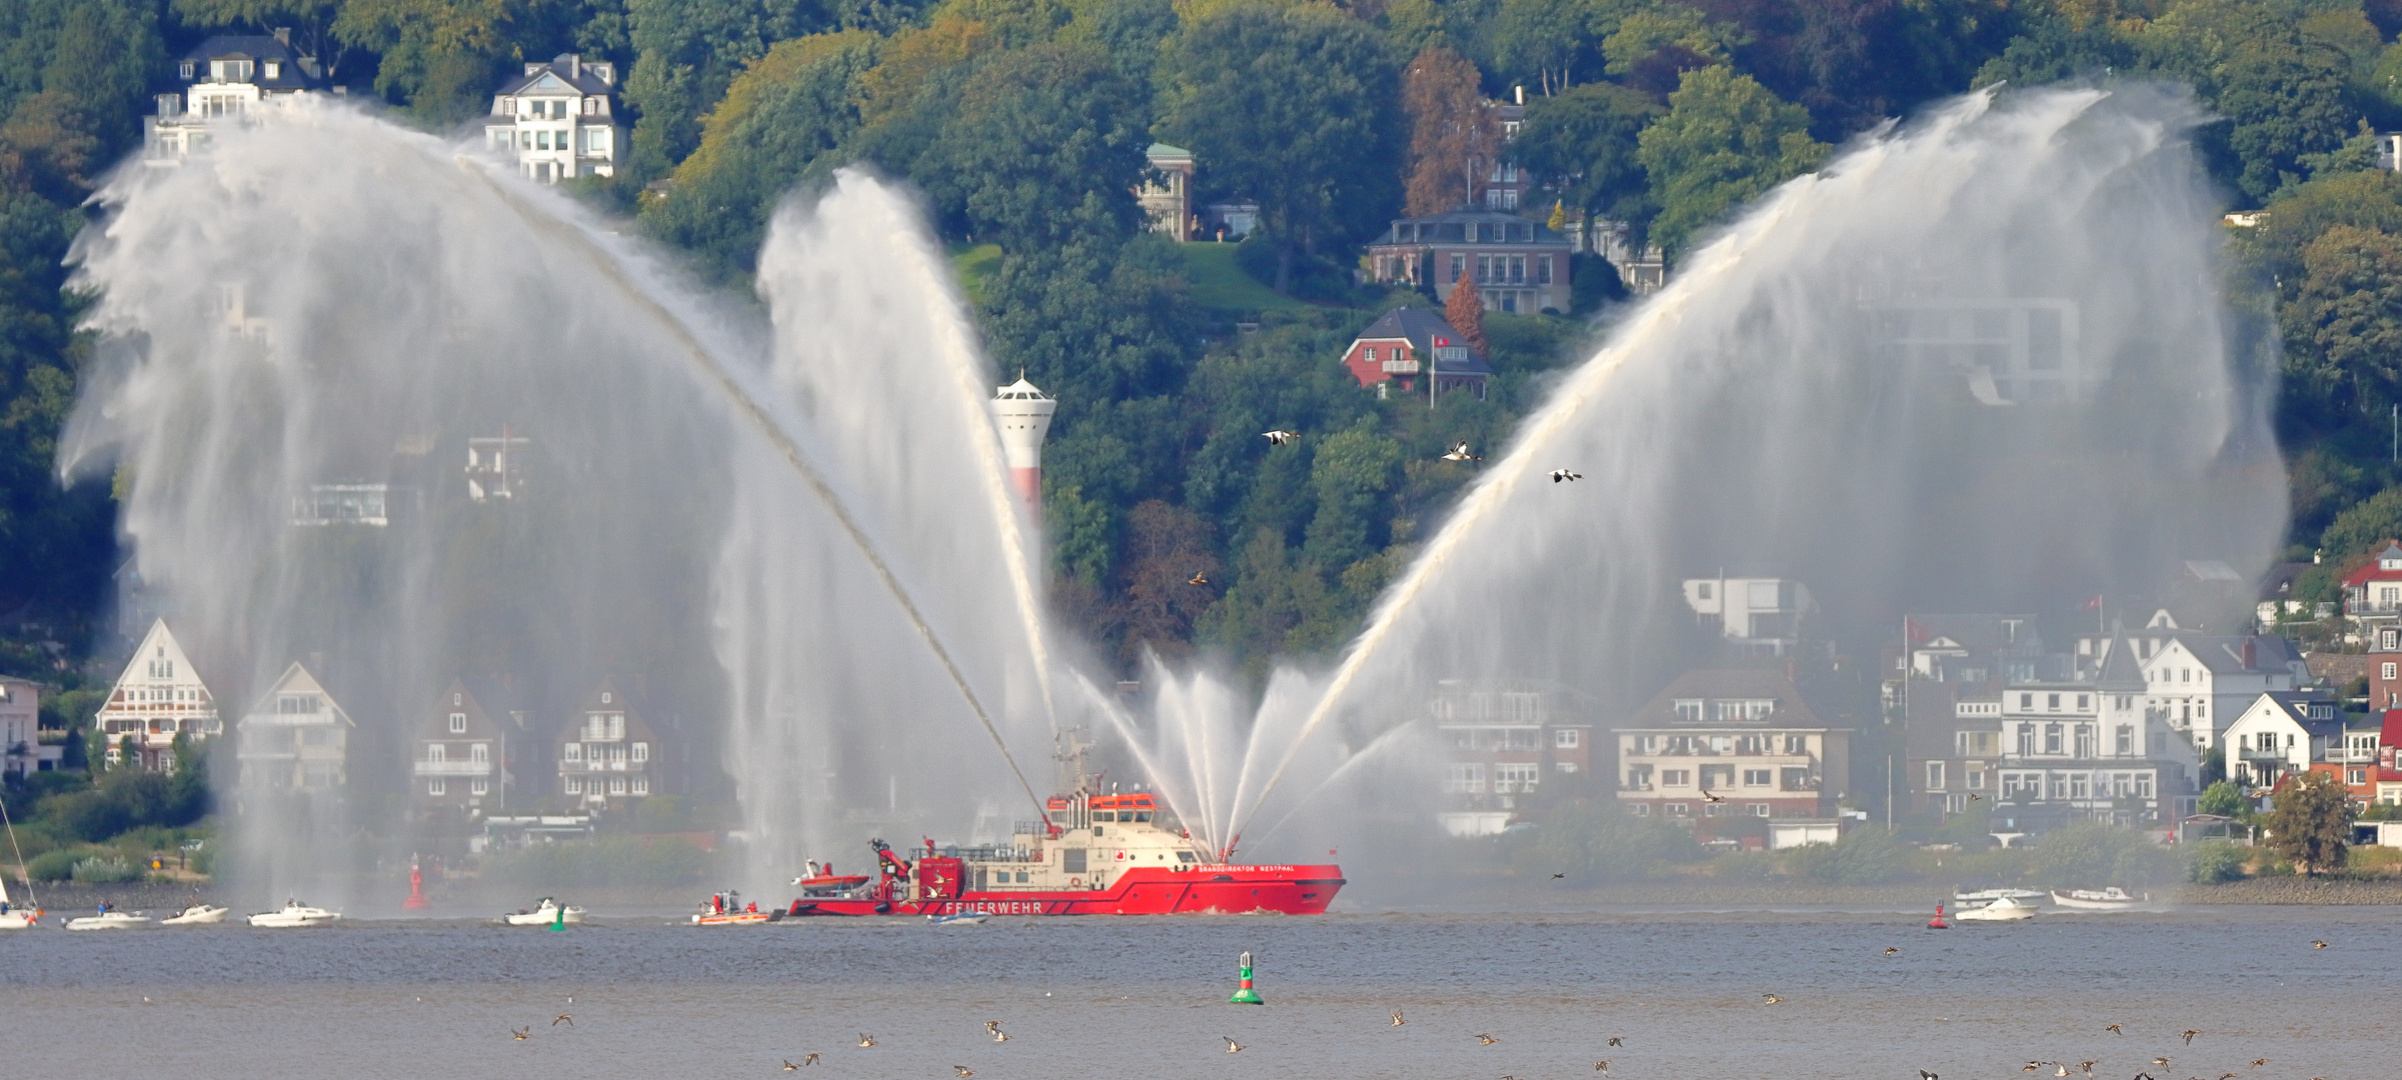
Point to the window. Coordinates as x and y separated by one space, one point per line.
1566 738
2356 777
436 786
1464 778
2084 701
1934 776
617 785
437 753
1642 809
2026 702
1977 743
1368 354
2386 670
1459 268
1676 778
480 754
2077 788
458 722
1797 744
1689 710
1795 780
642 751
575 785
274 69
617 725
1543 270
2051 738
1705 590
2085 740
1758 809
642 785
2143 785
1564 766
479 786
229 70
1678 809
1509 777
185 71
575 752
1976 776
1758 777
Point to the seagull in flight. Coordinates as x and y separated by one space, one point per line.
866 1039
1278 437
2087 1066
1459 452
2258 1062
2160 1061
1397 1020
1485 1040
1232 1047
1558 475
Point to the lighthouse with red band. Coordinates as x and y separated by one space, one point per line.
1023 415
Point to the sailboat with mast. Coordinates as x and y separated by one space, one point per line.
13 917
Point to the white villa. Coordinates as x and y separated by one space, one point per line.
606 754
226 80
157 698
2283 732
296 738
559 121
2199 683
461 763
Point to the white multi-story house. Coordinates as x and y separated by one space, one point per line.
1730 744
608 753
2090 750
2198 683
2282 732
296 738
158 697
20 726
1500 741
461 760
559 120
1759 615
228 79
1168 201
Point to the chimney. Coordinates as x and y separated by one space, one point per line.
283 37
2251 653
575 65
1521 94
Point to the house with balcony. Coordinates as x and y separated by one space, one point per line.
227 79
1517 265
1420 352
459 767
1945 681
2356 760
21 728
156 698
2282 733
558 120
1501 741
1166 195
2090 750
2198 683
607 755
2373 592
296 738
1757 616
1737 743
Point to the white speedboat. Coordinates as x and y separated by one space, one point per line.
1962 901
2110 899
964 918
545 912
110 919
196 915
295 913
2002 909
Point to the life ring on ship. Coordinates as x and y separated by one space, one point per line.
1075 883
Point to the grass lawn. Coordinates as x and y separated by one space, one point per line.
972 264
1221 285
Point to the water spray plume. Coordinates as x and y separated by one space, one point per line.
766 427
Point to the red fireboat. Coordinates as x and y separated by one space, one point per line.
1093 855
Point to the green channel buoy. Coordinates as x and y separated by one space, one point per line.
558 917
1244 994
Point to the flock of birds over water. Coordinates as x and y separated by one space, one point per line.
2083 1070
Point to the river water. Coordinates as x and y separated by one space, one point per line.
1146 997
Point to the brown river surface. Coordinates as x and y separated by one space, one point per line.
1146 997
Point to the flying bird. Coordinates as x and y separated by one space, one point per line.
1198 578
1890 950
1558 475
1459 452
1617 1040
1707 797
2160 1061
1485 1040
1925 1075
866 1039
2087 1066
2226 1076
1397 1020
2318 944
1278 438
2190 1033
2031 1066
1602 1067
523 1033
1976 798
963 1070
1770 999
2113 1029
1556 877
2063 1069
2258 1062
1232 1047
789 1066
810 1060
563 1018
1000 1036
993 1026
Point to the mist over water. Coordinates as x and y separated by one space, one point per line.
1981 361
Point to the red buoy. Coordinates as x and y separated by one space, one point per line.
1937 922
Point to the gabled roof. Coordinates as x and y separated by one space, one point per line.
159 644
1751 684
2290 704
1425 331
290 74
2369 571
296 679
563 71
1160 151
476 696
2121 671
2225 655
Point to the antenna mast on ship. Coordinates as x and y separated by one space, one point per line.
1072 745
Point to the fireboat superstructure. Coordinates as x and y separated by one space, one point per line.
1092 855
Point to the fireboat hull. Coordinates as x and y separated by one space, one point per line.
1204 890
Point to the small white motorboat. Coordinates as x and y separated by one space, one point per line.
196 915
294 913
2002 909
110 919
1962 901
962 918
545 912
2110 899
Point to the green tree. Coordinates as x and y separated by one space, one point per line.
2349 540
2310 823
1584 140
687 53
2225 799
443 57
1168 547
1725 140
2344 325
1546 44
1294 107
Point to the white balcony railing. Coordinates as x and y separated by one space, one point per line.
452 768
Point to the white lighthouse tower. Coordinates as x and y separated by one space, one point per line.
1023 414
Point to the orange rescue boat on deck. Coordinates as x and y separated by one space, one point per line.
1093 855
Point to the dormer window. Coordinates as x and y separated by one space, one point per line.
229 70
274 69
184 71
